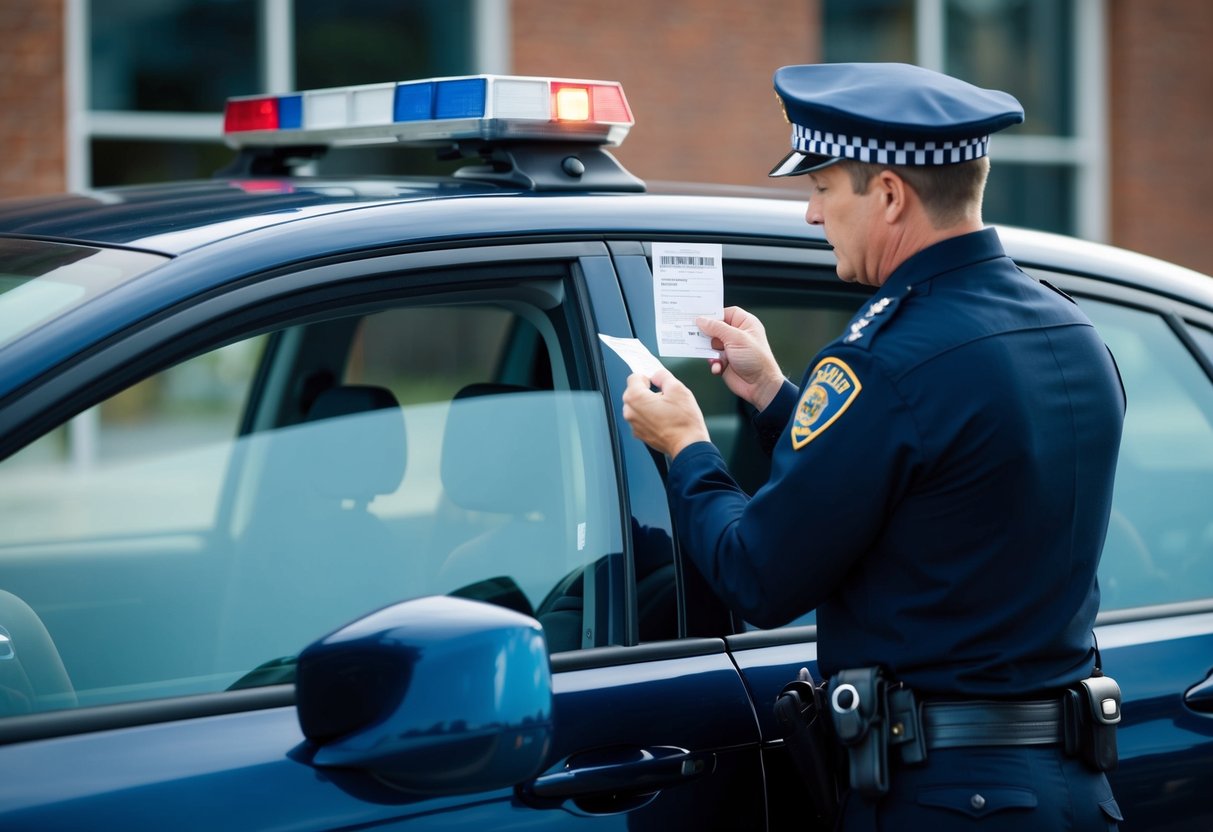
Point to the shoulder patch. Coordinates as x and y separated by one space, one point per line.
831 388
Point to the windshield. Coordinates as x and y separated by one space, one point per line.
42 280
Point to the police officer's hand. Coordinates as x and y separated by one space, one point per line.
747 365
667 420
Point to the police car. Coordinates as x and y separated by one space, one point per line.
317 508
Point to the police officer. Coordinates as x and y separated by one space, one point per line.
941 479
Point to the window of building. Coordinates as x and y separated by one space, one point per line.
1047 172
149 80
146 57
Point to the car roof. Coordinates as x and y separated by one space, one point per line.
176 218
218 233
171 218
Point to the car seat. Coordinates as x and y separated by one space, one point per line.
313 557
501 469
32 675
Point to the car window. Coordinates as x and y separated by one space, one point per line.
241 504
141 462
1160 536
41 280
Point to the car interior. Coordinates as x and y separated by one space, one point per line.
443 447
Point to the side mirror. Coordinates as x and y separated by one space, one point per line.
436 695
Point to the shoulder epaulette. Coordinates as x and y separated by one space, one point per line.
864 326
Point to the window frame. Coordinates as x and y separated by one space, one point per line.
262 304
490 54
1086 152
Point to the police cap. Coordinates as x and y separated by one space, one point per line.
887 114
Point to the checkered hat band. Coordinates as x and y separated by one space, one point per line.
880 152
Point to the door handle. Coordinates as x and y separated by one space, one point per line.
630 770
1199 697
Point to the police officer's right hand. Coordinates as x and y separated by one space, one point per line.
747 365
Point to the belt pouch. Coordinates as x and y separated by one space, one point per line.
801 715
906 734
857 710
1092 712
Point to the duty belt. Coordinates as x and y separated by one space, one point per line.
876 718
980 722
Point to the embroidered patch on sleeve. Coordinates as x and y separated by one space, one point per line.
831 389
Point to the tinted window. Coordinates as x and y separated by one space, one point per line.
135 161
1160 540
1029 48
235 507
148 56
371 41
150 459
42 280
1032 195
1025 47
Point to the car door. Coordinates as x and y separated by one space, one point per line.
311 447
1157 600
1155 630
794 291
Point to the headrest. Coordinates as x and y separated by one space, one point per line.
356 438
500 452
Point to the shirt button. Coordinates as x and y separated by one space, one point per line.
977 802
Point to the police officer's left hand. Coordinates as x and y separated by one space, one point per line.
667 420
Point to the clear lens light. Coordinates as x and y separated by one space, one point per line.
572 104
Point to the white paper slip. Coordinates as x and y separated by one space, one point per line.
688 283
635 354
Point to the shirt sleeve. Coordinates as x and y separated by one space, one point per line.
770 423
839 465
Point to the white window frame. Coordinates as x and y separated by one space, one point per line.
1086 152
491 54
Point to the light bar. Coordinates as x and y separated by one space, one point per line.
434 111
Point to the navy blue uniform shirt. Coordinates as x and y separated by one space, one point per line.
940 484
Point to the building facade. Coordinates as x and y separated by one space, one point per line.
103 92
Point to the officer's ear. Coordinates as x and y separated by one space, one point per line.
894 195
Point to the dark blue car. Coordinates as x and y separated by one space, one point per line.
317 509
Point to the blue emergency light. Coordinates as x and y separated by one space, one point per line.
434 111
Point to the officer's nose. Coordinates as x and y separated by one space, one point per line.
811 215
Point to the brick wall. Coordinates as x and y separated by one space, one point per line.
32 116
697 75
1161 109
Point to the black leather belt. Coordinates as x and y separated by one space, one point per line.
981 722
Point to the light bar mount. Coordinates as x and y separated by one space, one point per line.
547 166
529 165
270 160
